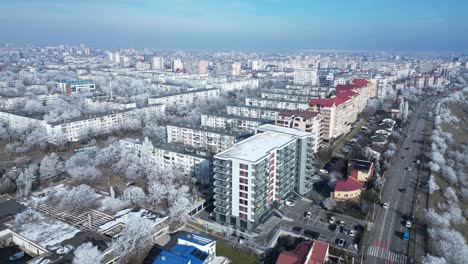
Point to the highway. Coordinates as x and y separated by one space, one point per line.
384 243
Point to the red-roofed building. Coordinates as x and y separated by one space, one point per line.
349 189
341 110
309 252
307 121
361 170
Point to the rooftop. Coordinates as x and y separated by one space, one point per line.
361 165
256 147
185 92
348 185
259 120
285 130
209 129
173 147
199 240
299 113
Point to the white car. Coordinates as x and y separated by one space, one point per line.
418 162
408 223
323 171
351 233
408 168
385 205
307 214
289 203
331 220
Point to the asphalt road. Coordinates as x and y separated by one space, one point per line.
384 244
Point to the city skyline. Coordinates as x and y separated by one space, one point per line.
267 25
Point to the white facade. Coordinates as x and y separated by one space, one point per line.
157 63
175 157
12 103
231 122
236 69
305 77
233 85
276 104
253 112
185 98
212 139
177 65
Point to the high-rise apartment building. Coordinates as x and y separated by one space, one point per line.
203 67
305 76
255 173
236 68
157 63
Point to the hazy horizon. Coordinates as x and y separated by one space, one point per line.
265 25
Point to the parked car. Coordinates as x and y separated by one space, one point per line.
341 223
408 168
408 223
405 236
331 220
324 171
307 214
351 233
289 203
385 205
418 162
340 242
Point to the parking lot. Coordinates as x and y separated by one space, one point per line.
317 226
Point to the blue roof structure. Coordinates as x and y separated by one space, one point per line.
166 257
195 255
196 239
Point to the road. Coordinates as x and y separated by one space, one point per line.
384 243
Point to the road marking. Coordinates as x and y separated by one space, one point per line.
386 254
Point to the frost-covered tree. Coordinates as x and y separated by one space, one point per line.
25 181
82 169
87 254
135 236
78 198
433 260
27 216
432 184
134 195
51 166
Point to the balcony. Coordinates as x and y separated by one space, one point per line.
222 177
222 163
221 170
221 197
220 210
222 184
222 204
223 190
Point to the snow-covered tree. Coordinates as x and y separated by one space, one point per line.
87 254
51 166
433 260
133 239
24 182
432 185
78 198
134 195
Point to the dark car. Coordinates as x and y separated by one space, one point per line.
297 229
311 234
332 227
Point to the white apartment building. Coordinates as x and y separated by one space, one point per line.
142 66
176 64
13 103
98 102
286 97
253 112
170 156
305 76
276 104
76 86
157 63
307 121
238 123
185 98
234 84
199 137
236 68
252 175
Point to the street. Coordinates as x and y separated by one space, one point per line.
384 243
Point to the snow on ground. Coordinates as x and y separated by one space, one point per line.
112 204
46 231
127 215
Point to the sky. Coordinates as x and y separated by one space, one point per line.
245 25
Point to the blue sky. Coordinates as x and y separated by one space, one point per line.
263 25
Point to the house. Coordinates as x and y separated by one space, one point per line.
349 189
309 252
361 170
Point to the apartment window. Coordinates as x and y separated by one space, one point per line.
243 181
242 201
243 166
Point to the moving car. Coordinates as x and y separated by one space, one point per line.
403 157
408 168
307 214
405 236
289 203
385 205
418 162
324 171
331 220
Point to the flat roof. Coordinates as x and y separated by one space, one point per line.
173 147
256 147
285 130
209 129
257 107
185 92
240 118
279 100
